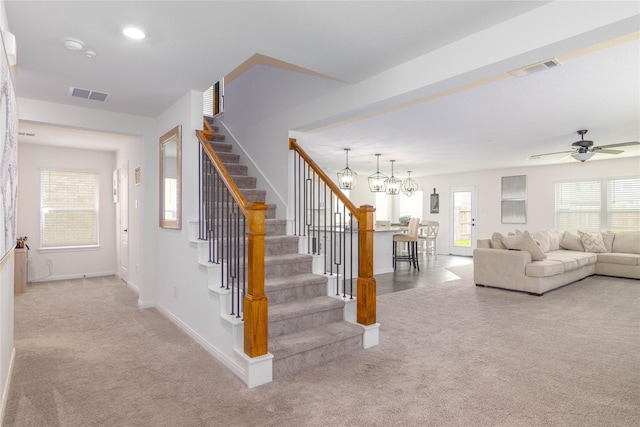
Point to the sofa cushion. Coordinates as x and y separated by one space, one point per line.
573 259
571 241
617 258
592 242
524 242
496 241
544 268
628 243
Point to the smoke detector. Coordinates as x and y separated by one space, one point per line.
73 44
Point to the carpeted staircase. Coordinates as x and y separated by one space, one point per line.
306 327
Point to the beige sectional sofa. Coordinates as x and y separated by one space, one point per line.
541 261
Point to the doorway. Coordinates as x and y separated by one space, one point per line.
463 214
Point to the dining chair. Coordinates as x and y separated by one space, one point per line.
429 237
411 239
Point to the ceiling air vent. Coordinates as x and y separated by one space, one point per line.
88 94
534 68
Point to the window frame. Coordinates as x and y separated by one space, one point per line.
603 211
70 246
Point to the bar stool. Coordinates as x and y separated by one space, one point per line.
411 239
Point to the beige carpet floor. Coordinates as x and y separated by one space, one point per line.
450 354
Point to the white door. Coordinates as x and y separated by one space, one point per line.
463 214
123 202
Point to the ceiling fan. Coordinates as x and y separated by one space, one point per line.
584 149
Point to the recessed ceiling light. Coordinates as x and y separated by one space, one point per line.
133 33
90 53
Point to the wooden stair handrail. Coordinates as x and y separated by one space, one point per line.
366 283
293 145
207 129
224 175
256 304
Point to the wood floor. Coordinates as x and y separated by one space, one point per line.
431 271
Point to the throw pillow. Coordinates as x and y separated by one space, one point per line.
496 241
542 237
524 242
607 236
592 242
512 241
571 241
555 237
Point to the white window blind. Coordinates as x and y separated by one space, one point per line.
623 205
578 205
68 208
207 102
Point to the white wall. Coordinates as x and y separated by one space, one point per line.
540 193
66 263
261 106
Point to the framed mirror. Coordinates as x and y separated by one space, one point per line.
171 178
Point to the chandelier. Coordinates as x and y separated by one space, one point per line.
393 184
347 177
409 186
377 181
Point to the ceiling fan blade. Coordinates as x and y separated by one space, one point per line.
537 156
600 150
621 144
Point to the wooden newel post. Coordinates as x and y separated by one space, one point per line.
366 285
256 317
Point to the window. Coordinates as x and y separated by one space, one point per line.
595 204
68 208
623 204
383 207
412 205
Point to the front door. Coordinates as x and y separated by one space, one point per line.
463 211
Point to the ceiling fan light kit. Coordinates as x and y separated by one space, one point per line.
583 156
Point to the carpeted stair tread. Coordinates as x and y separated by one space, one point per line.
275 287
293 281
280 238
298 342
221 147
286 259
279 312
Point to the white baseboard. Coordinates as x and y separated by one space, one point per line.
72 276
5 394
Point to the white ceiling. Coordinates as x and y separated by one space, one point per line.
190 45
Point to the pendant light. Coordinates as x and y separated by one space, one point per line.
377 181
393 183
347 177
409 186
